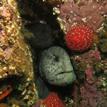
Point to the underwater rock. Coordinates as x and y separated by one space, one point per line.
102 103
103 45
89 75
3 105
90 12
84 60
16 65
55 66
38 104
42 36
93 87
54 2
90 96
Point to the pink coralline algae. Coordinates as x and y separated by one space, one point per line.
92 91
90 96
89 72
90 12
85 64
88 58
95 54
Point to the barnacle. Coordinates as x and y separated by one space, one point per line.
16 65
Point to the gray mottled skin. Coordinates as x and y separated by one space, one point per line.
55 66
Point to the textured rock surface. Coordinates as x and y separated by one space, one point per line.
15 55
90 66
54 2
91 73
42 36
90 12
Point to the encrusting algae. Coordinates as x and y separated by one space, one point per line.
48 22
16 65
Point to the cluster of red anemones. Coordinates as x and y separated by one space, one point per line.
79 38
